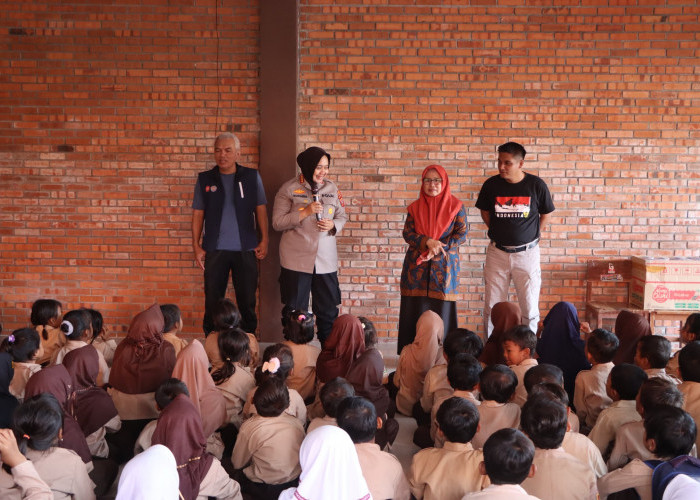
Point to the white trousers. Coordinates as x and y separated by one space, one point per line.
524 269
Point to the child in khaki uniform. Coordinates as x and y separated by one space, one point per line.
689 332
546 373
25 348
590 396
450 472
298 332
497 385
689 366
225 315
332 393
173 326
519 350
652 355
46 319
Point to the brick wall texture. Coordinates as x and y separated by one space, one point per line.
108 110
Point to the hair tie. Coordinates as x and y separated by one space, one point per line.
69 328
228 359
363 326
271 366
26 436
301 317
11 339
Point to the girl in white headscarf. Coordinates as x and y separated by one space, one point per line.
151 475
330 468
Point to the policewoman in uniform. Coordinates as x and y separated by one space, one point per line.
309 212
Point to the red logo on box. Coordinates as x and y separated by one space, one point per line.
661 294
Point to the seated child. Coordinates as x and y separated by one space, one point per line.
101 338
234 379
629 440
453 470
77 327
622 387
508 455
38 422
267 447
670 432
173 326
689 367
225 315
652 355
546 373
382 471
519 350
28 483
689 332
46 319
25 348
332 394
165 393
298 332
590 396
497 385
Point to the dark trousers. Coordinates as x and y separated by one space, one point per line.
295 288
243 267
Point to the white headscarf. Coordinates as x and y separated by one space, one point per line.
330 468
151 475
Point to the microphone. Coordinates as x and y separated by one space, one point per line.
314 193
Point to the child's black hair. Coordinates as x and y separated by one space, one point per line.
225 314
271 398
497 383
463 372
358 417
655 349
542 373
508 455
21 344
284 354
370 332
333 393
672 429
234 347
299 327
43 311
96 320
168 390
37 422
544 421
554 392
523 337
626 379
602 345
461 340
458 419
689 362
171 316
692 325
656 392
75 322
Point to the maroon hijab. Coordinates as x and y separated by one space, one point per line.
143 360
93 407
56 381
504 316
366 375
344 345
179 428
629 328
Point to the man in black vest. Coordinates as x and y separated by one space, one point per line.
229 201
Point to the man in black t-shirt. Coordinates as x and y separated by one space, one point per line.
515 206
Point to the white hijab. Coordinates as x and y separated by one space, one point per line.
330 468
151 475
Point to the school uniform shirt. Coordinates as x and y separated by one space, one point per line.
468 395
267 449
519 370
383 473
296 407
19 381
319 421
107 348
436 386
572 418
211 347
303 377
96 441
672 367
609 421
29 484
178 343
102 376
586 451
501 492
217 483
235 390
590 397
691 402
134 406
494 416
629 444
446 473
560 475
56 339
635 474
661 373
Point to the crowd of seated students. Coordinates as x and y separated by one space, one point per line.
216 419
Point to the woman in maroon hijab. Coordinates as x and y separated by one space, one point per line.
629 328
504 316
344 345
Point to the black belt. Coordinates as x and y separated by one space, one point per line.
517 249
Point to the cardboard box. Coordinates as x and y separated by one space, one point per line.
666 270
665 296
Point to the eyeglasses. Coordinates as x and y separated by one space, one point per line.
432 181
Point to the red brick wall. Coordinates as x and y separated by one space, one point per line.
605 98
107 113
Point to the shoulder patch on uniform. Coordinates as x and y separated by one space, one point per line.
340 199
299 191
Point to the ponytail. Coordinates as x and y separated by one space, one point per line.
234 346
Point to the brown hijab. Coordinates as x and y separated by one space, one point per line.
143 360
93 407
629 328
192 367
344 345
504 316
56 381
366 375
179 428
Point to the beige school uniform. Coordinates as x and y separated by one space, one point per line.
218 484
178 343
102 375
572 418
320 421
435 388
296 407
519 370
211 347
303 377
383 473
560 476
635 474
586 451
629 444
29 484
494 416
267 449
19 381
501 492
235 390
590 397
468 395
446 473
672 367
661 373
107 348
56 340
691 402
134 406
96 441
612 418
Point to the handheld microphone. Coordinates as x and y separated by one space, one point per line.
314 193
